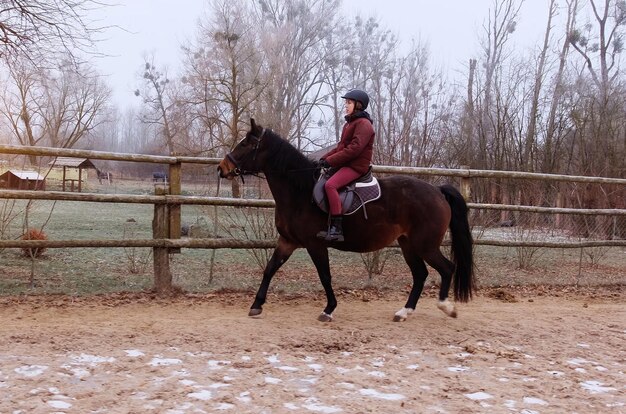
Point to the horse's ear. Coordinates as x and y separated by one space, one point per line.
252 124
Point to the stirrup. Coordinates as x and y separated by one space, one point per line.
322 234
330 236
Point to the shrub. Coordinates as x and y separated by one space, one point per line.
34 234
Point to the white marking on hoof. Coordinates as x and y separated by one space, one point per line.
447 307
402 314
325 317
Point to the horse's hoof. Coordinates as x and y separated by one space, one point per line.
447 307
324 317
402 314
255 312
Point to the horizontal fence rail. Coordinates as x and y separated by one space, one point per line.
220 243
247 202
168 200
467 173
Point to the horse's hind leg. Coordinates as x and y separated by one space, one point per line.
281 254
445 268
419 273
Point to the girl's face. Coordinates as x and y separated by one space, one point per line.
349 106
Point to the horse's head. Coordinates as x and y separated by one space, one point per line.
247 156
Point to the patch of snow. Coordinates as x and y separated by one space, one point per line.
219 385
578 361
272 380
510 404
203 395
60 405
315 367
478 396
458 368
533 400
244 397
31 370
310 380
595 387
378 362
369 392
91 360
412 366
157 362
134 353
377 374
312 404
224 406
215 365
287 368
273 359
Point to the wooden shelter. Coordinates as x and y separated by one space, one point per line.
22 180
71 162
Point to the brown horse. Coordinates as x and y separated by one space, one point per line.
411 211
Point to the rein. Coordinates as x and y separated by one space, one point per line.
239 172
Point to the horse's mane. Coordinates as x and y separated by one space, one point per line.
287 160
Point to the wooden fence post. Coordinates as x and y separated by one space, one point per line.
160 230
174 211
466 189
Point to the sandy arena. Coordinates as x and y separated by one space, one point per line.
553 353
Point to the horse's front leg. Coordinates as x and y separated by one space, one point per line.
281 254
319 255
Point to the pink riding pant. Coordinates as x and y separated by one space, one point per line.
340 179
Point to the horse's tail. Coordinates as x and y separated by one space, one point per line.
462 244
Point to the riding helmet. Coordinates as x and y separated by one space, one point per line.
358 96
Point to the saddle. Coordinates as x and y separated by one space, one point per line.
353 196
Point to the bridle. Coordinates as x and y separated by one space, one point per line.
238 171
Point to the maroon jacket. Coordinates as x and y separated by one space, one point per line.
356 147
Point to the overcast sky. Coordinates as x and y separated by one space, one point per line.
450 27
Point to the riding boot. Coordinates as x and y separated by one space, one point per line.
335 230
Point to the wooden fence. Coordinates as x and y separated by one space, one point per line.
167 201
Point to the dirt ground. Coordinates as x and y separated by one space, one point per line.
509 351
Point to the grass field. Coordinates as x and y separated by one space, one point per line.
89 271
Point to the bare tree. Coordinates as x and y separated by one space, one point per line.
223 73
53 107
600 45
37 30
160 101
551 147
531 131
501 24
296 50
